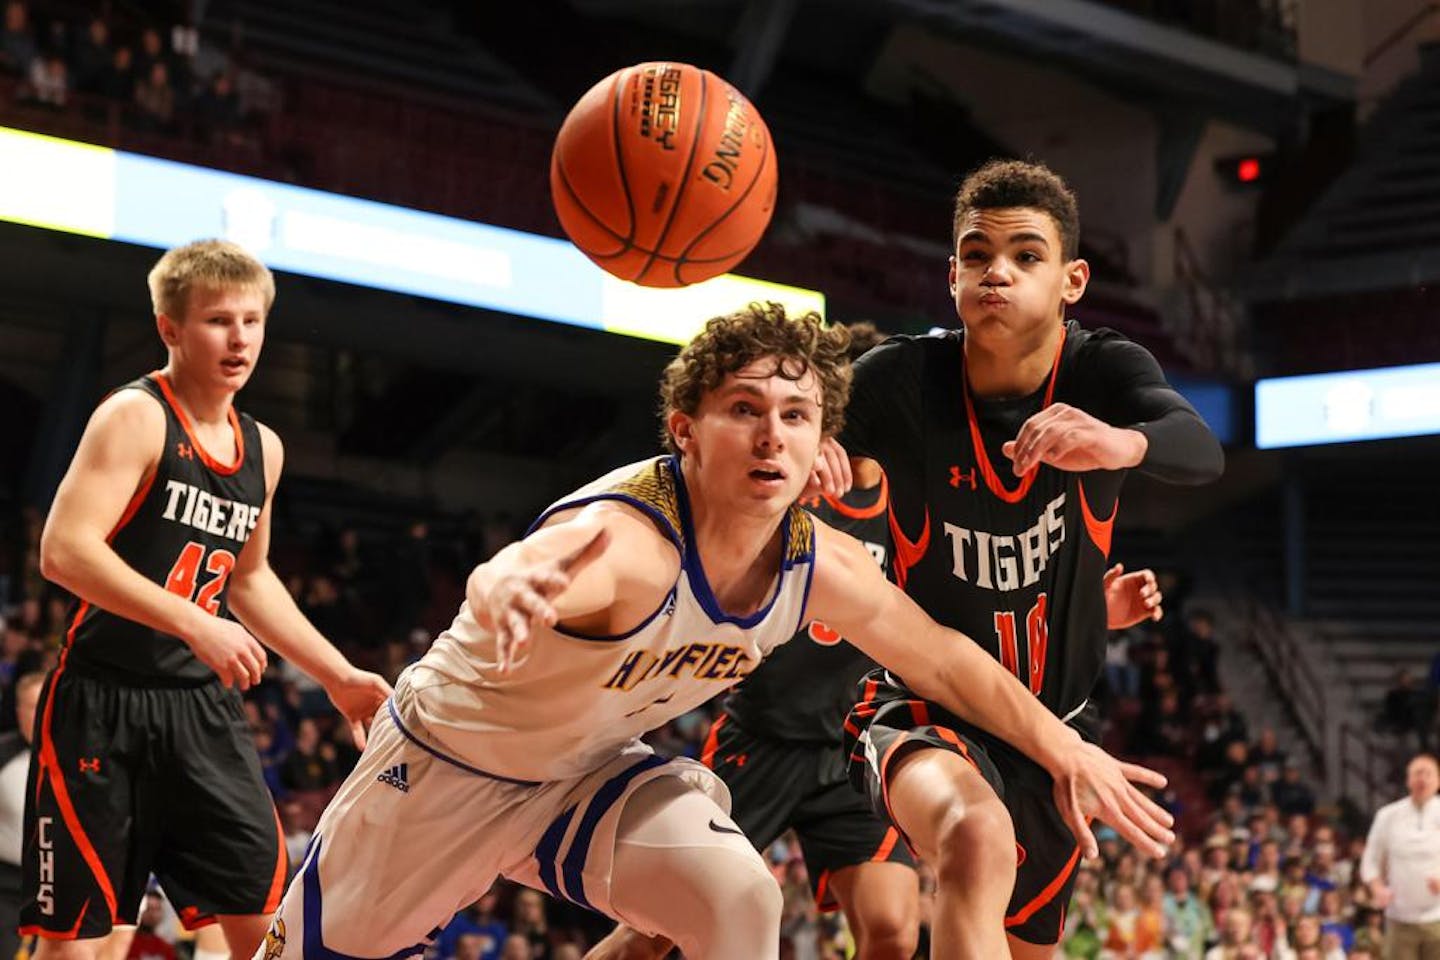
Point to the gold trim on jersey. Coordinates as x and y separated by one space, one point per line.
802 535
654 485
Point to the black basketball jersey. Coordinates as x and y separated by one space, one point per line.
1014 563
803 690
183 529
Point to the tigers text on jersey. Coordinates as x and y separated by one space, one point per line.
574 701
805 688
183 529
1016 563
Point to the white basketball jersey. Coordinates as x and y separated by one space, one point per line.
575 701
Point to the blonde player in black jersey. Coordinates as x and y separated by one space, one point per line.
143 761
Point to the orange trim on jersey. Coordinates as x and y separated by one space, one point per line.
1046 895
920 712
134 505
907 552
1100 530
223 469
277 882
712 741
862 513
50 766
992 479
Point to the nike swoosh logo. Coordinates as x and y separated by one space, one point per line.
722 829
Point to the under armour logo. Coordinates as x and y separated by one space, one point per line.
92 765
184 451
957 478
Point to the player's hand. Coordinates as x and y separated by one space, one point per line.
1068 438
1131 597
831 476
523 599
1434 884
1091 784
358 694
1381 895
227 648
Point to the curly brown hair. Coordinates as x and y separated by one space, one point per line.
731 342
1017 183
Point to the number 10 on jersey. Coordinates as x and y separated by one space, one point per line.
1037 639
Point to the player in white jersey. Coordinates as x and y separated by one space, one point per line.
512 747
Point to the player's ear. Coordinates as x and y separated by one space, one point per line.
682 430
1077 278
169 330
953 266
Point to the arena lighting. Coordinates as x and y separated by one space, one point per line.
95 191
1346 406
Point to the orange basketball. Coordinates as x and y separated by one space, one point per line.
663 174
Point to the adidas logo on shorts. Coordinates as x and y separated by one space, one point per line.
395 776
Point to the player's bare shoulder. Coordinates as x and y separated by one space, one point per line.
272 448
128 426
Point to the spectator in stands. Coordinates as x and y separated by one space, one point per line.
117 81
1266 754
479 921
1187 920
49 84
1220 726
517 947
1292 795
152 51
148 944
1235 935
311 765
92 56
529 922
1304 935
1122 676
1407 710
155 99
1402 864
17 40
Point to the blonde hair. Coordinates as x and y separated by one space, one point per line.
205 263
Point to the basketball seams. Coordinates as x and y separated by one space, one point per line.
625 242
578 171
684 184
617 101
682 259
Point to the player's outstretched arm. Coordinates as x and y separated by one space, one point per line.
261 602
851 595
117 458
603 561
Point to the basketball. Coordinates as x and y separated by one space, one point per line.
663 174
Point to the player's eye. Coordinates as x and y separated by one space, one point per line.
974 256
1029 256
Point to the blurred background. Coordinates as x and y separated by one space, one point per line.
1260 198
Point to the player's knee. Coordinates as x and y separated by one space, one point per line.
756 894
887 935
975 840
